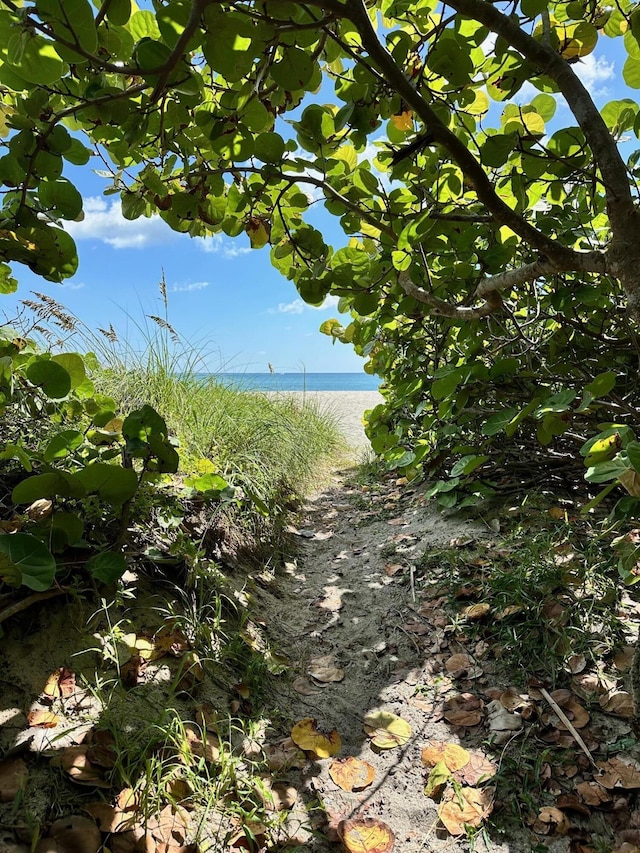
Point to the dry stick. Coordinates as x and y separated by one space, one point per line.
561 714
12 609
412 581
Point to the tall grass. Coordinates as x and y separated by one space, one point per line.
267 442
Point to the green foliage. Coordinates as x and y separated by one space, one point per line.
490 246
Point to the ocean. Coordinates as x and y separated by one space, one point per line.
301 381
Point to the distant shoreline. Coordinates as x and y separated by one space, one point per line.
298 381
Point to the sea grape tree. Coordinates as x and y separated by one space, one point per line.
490 211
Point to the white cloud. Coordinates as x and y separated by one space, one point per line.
219 244
72 285
189 288
298 306
104 221
593 71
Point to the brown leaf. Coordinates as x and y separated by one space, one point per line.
351 774
207 747
303 686
451 754
40 719
619 703
40 509
575 712
75 834
309 737
366 835
284 755
509 610
622 771
576 663
325 669
170 825
624 658
463 709
391 569
132 672
477 770
469 807
476 612
554 820
60 684
75 762
109 818
280 796
572 803
13 777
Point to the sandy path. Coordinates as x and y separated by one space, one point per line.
347 407
349 596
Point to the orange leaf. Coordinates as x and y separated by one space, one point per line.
453 755
351 774
477 770
468 808
309 737
403 121
42 719
366 835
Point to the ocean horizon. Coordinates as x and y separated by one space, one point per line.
299 381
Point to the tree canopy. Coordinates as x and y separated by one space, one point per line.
491 249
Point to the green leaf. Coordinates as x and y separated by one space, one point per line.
633 452
107 567
34 561
63 444
113 484
119 12
50 376
8 284
269 147
61 198
606 471
51 485
499 422
631 72
294 71
602 384
467 465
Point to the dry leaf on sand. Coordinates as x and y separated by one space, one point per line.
454 756
284 755
366 835
75 762
207 747
468 807
278 796
552 821
477 770
73 834
617 702
40 719
463 709
309 737
60 684
304 687
13 776
324 668
386 730
622 771
351 774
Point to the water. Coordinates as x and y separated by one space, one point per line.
301 381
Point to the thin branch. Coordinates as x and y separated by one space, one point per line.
587 262
195 17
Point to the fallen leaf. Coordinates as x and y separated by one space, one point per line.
325 669
109 818
132 672
593 794
351 774
477 770
303 686
40 509
250 835
75 834
202 744
309 737
463 709
624 658
468 807
60 684
622 771
454 756
75 762
13 777
169 826
619 703
386 730
557 513
279 796
366 835
553 821
476 612
576 663
572 803
391 569
575 712
438 779
284 755
39 719
509 610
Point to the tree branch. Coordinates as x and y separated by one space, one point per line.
597 134
472 169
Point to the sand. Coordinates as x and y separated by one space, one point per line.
347 407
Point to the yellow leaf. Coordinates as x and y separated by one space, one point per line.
403 121
534 123
480 105
258 231
351 774
468 807
366 835
454 756
577 39
309 737
386 730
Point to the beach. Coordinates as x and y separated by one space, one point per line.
347 407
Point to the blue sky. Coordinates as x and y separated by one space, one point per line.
223 296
